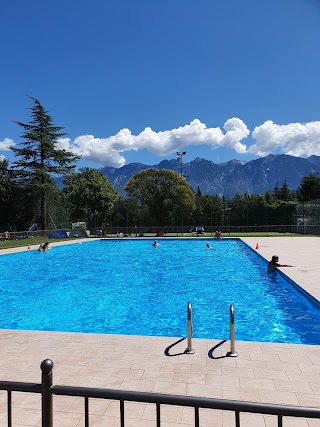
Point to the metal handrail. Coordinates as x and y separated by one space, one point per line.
189 349
232 352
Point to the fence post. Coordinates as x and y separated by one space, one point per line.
46 368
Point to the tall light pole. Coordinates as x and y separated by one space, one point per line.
180 155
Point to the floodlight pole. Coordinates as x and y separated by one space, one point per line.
180 155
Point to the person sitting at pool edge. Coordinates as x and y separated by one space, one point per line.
218 234
155 244
273 264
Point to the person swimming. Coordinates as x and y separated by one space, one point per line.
273 264
208 246
155 244
44 247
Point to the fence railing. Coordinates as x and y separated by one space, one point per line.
209 231
18 238
48 390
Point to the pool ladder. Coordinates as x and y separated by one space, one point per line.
189 349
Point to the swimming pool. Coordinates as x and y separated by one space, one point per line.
128 287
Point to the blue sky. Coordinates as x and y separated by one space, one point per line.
136 81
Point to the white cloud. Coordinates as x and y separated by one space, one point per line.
96 150
107 151
295 139
6 144
2 158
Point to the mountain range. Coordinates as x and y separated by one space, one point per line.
227 179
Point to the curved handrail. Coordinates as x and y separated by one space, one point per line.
189 349
232 352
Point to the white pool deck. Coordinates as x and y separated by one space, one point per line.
262 372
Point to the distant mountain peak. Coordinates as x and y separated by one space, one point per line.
229 178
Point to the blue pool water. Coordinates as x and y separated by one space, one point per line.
128 287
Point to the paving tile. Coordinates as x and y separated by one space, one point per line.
258 383
293 386
239 372
223 380
177 388
96 406
265 357
177 367
210 391
304 376
127 373
309 368
25 417
240 393
137 385
270 374
285 367
315 388
301 360
181 377
131 409
308 399
168 413
213 370
278 397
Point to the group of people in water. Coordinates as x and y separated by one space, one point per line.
272 264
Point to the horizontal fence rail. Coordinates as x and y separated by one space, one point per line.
36 236
48 390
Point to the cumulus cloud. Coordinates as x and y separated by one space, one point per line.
108 151
6 144
295 139
2 158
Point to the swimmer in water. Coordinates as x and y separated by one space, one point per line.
273 264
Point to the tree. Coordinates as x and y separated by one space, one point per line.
284 193
165 194
208 211
7 187
127 212
39 157
17 207
309 188
89 196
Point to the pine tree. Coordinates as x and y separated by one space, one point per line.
39 157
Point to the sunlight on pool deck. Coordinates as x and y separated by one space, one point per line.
263 372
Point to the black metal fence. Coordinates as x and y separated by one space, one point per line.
34 237
48 390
